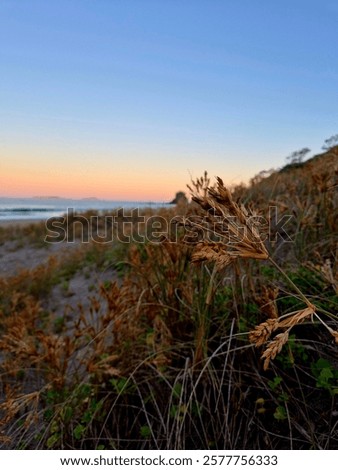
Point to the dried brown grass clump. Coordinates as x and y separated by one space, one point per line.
262 333
266 299
228 231
19 403
329 274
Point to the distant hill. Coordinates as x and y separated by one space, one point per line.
327 158
295 180
46 197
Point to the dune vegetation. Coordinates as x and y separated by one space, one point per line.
215 326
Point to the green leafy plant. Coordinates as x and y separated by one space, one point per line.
326 375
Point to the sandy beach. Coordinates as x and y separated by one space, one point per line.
16 253
22 253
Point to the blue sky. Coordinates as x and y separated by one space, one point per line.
127 99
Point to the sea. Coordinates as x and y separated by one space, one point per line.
42 208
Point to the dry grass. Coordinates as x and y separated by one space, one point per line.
169 355
238 236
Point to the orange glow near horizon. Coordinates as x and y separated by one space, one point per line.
38 171
103 187
24 179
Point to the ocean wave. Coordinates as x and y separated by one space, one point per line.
28 209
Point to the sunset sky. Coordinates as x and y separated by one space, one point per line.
127 99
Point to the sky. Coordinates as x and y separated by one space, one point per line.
130 99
